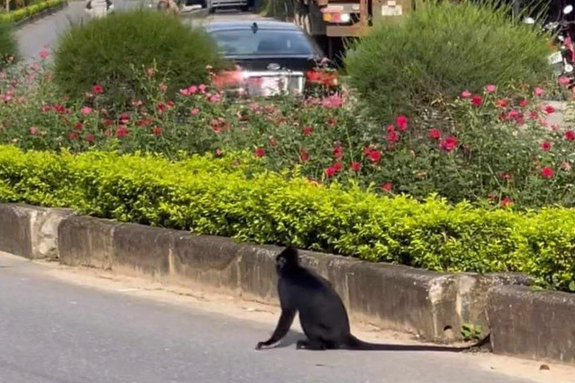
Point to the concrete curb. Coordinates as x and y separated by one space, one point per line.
429 304
40 15
532 324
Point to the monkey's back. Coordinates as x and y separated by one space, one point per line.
321 310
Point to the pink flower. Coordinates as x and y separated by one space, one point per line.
332 102
215 98
564 80
338 152
193 89
307 130
33 130
202 88
547 172
150 72
355 166
90 137
546 146
98 89
185 92
260 152
86 110
524 103
549 109
466 94
163 88
387 186
45 108
538 92
374 155
401 122
435 134
44 54
392 136
490 88
194 111
570 135
449 144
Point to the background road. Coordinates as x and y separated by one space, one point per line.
33 38
52 331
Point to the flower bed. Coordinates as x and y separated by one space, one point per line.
31 10
223 197
492 151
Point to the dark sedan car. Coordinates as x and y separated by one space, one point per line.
273 57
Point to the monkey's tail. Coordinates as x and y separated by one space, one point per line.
354 343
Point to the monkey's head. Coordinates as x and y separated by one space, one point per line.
287 260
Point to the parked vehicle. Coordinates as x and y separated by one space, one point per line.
272 57
213 5
563 59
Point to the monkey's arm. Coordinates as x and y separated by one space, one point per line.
286 319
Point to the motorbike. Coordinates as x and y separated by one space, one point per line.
94 14
563 59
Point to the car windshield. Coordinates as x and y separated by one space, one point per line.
263 43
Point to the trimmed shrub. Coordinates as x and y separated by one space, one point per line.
219 197
8 45
441 48
113 52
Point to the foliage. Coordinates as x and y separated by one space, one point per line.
29 10
112 51
500 150
219 197
8 46
413 66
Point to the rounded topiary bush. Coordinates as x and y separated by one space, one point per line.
114 51
8 46
440 49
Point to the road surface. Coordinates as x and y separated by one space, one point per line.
54 331
41 35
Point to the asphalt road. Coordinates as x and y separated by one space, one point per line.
41 35
53 331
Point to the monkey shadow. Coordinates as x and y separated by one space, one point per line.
290 339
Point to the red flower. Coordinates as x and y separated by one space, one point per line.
144 122
60 108
401 122
303 155
546 145
45 108
524 103
78 126
338 152
435 134
502 103
392 136
98 89
477 100
307 130
387 186
330 172
355 166
506 201
260 152
157 131
506 176
391 128
122 131
547 172
549 109
374 155
161 107
570 135
332 121
124 118
108 122
90 137
73 135
449 144
337 166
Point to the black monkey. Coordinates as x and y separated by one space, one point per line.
323 316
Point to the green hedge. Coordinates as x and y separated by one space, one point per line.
23 13
219 197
